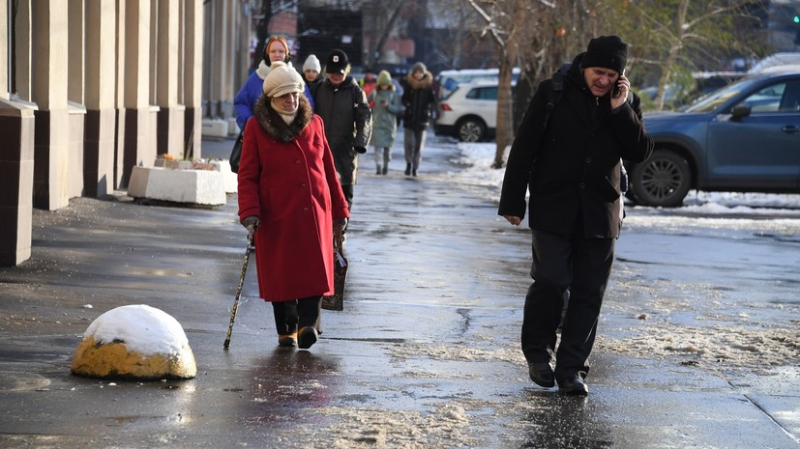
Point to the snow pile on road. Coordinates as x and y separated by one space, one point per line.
135 341
477 158
447 426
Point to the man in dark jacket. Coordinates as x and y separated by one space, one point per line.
571 168
347 117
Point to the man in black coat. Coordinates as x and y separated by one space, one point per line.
348 119
572 169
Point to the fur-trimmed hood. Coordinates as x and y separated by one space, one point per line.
271 121
424 83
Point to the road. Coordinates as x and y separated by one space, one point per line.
697 347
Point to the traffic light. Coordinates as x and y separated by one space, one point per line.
796 21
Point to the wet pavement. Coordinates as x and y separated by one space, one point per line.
425 354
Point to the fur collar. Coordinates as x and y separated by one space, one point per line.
424 83
273 124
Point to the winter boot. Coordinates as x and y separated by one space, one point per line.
408 169
378 170
385 169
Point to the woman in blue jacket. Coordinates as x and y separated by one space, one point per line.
276 49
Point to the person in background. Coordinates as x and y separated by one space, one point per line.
387 107
367 84
419 102
571 168
291 200
276 49
311 71
347 117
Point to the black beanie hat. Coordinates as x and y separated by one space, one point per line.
606 51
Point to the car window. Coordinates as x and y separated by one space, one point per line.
780 97
713 101
482 93
767 99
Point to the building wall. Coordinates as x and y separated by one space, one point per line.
96 87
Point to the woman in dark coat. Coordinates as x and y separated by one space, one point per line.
290 194
419 101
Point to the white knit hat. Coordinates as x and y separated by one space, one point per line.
282 80
312 63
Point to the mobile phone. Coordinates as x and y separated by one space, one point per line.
615 91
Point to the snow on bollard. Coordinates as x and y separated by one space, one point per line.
138 342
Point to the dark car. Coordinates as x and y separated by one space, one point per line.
743 138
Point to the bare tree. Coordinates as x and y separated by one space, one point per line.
506 23
679 33
382 26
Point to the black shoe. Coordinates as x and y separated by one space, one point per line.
385 170
378 171
408 169
413 172
573 386
542 374
306 337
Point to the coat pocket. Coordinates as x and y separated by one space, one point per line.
606 191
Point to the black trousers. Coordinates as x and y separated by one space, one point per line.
562 263
290 316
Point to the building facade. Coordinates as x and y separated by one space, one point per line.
91 88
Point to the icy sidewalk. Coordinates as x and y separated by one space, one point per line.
425 353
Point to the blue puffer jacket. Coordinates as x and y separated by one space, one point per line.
248 95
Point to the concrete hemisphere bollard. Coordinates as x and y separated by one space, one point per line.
134 342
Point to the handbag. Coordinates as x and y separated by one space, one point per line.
236 153
336 300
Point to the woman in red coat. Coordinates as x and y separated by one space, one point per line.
290 197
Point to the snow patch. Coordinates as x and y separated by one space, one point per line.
143 329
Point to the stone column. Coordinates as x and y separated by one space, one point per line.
3 49
16 183
16 162
119 94
75 84
193 75
138 145
100 74
49 75
170 114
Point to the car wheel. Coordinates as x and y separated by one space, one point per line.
471 130
663 180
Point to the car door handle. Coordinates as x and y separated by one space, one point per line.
790 129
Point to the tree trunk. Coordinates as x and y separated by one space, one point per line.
504 127
375 53
672 56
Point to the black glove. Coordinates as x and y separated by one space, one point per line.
251 222
361 150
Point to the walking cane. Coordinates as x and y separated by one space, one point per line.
239 288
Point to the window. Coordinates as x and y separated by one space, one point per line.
767 99
483 93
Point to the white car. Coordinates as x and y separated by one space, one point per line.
469 112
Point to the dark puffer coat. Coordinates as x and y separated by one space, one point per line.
348 123
573 170
418 99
